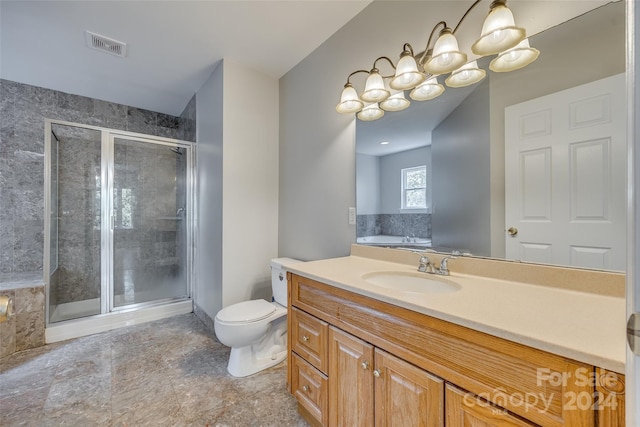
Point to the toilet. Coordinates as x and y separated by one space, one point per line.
256 330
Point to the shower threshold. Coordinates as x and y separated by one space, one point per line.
95 323
75 310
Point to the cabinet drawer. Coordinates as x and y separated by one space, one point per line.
309 386
309 337
466 409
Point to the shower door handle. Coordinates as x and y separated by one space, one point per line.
112 218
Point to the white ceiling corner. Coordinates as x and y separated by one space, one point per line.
172 46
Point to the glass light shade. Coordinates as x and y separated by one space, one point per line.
446 55
466 75
499 32
407 74
370 112
396 102
514 59
427 90
349 101
374 90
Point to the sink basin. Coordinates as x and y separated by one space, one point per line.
419 283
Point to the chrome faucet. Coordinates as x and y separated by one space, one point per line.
425 265
444 266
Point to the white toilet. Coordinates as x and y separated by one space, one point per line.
256 330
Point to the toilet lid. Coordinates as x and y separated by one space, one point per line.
247 311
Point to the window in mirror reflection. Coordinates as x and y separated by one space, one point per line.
414 188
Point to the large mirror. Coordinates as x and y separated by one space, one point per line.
527 165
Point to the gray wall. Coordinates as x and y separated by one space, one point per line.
367 184
460 148
23 109
238 187
207 292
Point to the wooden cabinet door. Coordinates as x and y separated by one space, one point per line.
466 410
405 395
350 380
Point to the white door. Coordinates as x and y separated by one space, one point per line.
565 189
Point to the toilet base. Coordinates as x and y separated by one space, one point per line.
243 361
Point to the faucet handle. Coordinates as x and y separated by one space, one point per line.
422 255
444 266
425 265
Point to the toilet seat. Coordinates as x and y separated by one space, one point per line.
246 312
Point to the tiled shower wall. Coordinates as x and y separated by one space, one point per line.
412 225
23 109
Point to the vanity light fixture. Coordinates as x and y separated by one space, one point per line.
466 75
428 90
396 102
419 72
374 90
515 58
370 112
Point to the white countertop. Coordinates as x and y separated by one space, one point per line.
581 326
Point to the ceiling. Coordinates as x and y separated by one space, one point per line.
173 46
410 129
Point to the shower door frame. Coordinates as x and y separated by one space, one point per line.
107 225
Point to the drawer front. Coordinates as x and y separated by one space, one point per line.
309 337
309 386
493 368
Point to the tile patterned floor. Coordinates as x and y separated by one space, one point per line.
170 372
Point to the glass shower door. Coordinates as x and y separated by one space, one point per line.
74 203
149 221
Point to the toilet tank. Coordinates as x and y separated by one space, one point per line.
279 278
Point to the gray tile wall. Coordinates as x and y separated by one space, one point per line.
23 109
413 225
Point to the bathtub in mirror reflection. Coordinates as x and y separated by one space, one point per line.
394 241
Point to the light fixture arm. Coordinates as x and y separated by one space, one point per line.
475 3
353 74
426 52
390 63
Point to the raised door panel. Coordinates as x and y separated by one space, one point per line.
406 396
466 410
309 338
350 380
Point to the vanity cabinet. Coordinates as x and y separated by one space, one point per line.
365 362
368 386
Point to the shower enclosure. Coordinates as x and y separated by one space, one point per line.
118 231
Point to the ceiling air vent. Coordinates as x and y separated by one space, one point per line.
105 44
